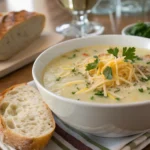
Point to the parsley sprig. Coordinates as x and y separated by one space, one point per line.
99 93
144 80
73 56
58 79
129 53
108 73
141 90
113 51
92 65
92 97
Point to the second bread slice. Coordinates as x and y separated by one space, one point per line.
26 121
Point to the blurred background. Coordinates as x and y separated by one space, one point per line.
112 14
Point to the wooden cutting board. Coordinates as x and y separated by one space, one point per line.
29 54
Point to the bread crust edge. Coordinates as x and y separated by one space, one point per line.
20 142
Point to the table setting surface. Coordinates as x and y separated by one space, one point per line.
55 16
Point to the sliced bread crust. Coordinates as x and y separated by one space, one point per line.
14 137
18 30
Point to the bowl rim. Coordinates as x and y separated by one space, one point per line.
124 30
84 103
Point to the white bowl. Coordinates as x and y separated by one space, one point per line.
107 120
128 27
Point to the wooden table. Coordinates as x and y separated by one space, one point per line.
57 16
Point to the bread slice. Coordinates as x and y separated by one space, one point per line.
18 30
26 121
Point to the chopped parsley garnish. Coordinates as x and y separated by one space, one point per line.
87 84
113 51
129 53
138 58
141 90
95 57
144 80
92 65
92 97
148 62
118 99
148 88
78 88
99 93
117 90
73 70
73 92
76 50
73 56
108 73
58 79
78 99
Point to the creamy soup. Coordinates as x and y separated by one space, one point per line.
101 74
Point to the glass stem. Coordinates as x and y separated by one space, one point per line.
80 20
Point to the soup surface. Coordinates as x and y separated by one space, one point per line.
105 74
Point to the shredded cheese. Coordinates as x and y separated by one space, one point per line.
113 95
140 72
104 89
82 91
74 82
123 72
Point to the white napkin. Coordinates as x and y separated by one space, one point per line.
63 134
135 142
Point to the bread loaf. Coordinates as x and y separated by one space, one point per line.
18 30
26 121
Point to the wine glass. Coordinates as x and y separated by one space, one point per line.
80 25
